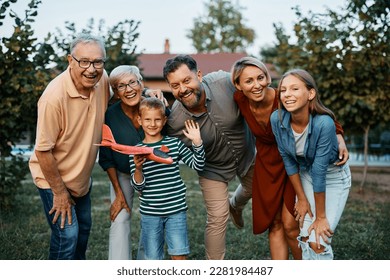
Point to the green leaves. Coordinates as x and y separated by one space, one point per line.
347 52
17 80
222 29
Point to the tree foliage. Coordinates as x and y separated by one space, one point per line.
347 51
22 80
222 29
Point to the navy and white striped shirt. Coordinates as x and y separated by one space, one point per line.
163 191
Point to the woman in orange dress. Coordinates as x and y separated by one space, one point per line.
273 195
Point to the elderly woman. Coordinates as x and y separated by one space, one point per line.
121 117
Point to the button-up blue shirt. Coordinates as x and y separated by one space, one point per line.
321 146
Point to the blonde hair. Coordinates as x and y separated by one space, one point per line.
244 62
151 103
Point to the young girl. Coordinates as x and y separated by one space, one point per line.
305 133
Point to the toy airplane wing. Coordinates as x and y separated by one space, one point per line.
150 153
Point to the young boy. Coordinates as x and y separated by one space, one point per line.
162 191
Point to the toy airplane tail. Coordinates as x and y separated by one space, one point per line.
108 140
107 137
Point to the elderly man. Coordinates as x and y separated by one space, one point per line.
70 118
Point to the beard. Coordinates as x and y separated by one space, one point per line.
192 101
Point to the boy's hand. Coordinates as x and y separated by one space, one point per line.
139 161
192 132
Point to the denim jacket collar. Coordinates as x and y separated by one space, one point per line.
286 121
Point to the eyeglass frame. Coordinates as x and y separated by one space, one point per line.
90 62
135 84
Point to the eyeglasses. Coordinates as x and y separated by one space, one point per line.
131 84
84 63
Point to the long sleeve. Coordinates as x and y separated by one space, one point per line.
323 154
194 159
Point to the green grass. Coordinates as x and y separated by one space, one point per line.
362 233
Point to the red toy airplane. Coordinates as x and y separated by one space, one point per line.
150 153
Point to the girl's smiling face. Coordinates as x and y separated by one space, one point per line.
294 95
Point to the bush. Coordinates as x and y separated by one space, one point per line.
13 171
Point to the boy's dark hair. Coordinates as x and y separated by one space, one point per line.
172 64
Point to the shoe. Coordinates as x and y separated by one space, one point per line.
236 217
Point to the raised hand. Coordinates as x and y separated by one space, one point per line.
192 132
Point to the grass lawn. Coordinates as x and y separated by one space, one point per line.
362 233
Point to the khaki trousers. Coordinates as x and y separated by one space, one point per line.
216 198
243 191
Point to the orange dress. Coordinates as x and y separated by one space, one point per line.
271 185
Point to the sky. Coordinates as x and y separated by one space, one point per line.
164 19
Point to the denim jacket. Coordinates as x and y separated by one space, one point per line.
321 147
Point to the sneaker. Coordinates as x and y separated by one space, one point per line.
236 217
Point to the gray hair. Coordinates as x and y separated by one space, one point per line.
84 38
120 71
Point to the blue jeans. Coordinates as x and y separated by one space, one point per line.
338 184
153 229
69 243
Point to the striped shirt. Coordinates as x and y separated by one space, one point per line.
163 190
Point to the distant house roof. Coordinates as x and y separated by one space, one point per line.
151 65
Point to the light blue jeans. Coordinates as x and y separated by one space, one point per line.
153 229
119 244
338 184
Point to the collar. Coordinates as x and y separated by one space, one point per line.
286 121
71 88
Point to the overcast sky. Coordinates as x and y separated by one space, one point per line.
164 19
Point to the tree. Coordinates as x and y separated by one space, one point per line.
21 82
347 51
222 29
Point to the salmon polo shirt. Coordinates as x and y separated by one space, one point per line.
69 125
